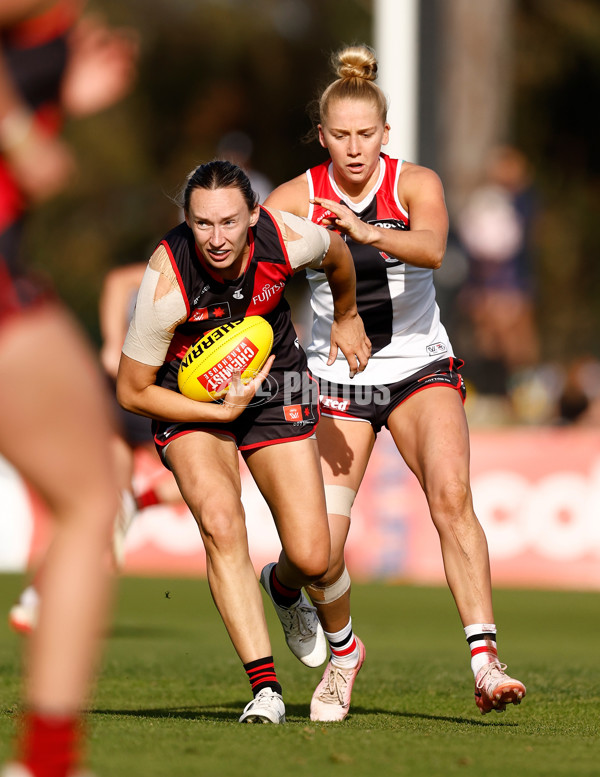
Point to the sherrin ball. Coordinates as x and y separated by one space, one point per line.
208 365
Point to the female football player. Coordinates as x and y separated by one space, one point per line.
393 217
230 259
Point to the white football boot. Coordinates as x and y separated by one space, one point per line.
23 615
303 631
266 707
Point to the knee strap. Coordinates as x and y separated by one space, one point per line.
330 593
339 499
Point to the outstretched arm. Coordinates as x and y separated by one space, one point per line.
421 192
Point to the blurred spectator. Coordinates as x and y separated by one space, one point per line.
495 229
237 147
579 401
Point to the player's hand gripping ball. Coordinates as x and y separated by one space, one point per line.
207 367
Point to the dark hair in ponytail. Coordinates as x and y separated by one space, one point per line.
218 174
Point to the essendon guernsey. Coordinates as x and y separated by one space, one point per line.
212 301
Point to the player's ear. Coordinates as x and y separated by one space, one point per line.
254 214
386 134
321 136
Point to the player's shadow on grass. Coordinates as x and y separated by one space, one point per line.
295 713
227 713
488 721
293 710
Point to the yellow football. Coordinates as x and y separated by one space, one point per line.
208 365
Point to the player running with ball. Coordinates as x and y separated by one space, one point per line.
231 259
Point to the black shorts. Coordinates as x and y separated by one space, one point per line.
288 415
20 293
374 404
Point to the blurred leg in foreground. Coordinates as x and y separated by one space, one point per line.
54 429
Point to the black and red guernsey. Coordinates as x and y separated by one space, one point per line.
212 301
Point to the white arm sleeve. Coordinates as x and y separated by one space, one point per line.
306 242
158 311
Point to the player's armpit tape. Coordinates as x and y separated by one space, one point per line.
339 499
330 593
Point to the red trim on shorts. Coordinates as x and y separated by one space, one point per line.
250 447
163 445
264 443
342 416
431 385
254 446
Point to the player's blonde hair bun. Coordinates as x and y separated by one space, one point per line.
356 70
355 62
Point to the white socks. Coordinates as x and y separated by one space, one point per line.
344 647
482 643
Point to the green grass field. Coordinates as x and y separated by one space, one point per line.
172 688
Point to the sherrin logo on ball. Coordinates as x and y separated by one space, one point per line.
208 365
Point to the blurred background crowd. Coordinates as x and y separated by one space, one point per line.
506 96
